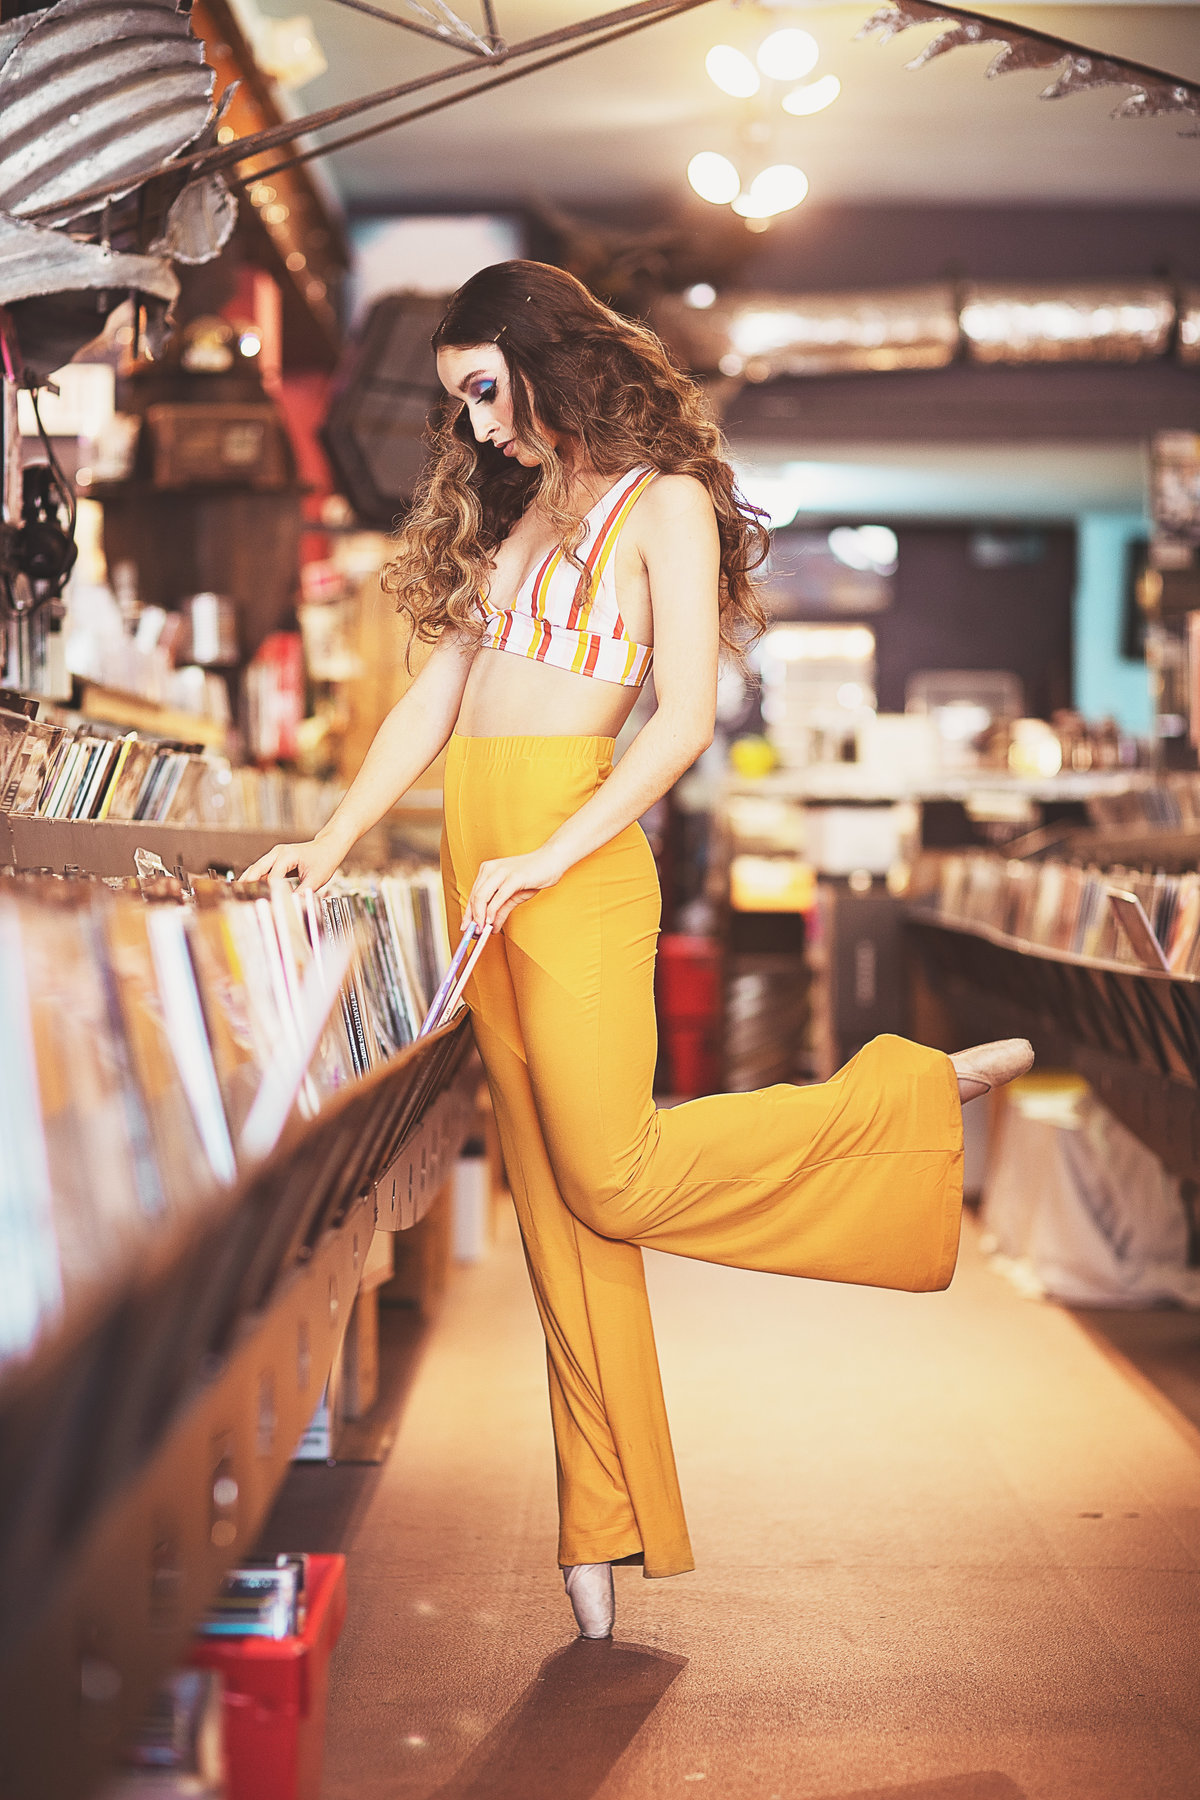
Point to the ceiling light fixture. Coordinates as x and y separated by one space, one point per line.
732 72
702 294
714 178
788 55
785 55
813 97
872 549
773 191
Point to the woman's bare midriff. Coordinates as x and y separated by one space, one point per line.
510 696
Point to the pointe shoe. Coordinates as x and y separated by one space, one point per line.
590 1590
988 1066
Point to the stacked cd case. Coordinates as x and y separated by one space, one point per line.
263 1598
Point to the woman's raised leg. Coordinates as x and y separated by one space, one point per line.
855 1179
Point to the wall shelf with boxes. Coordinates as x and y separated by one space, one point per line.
173 1309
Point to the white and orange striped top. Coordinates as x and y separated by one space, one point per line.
555 619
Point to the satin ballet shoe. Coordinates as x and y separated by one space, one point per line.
590 1590
988 1066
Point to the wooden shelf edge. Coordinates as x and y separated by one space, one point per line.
104 847
920 915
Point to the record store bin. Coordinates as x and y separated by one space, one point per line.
212 1097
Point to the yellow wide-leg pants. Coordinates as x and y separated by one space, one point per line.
858 1179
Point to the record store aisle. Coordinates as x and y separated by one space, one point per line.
946 1550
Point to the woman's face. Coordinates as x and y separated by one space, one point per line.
478 376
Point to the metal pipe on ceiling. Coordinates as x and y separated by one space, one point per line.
588 32
759 337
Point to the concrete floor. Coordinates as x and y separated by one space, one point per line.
948 1548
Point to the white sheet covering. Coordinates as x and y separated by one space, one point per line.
1076 1208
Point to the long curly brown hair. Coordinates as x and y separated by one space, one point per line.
582 372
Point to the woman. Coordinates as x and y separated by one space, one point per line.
577 516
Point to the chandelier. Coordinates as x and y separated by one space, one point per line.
778 71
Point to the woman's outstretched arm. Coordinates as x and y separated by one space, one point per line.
676 532
413 733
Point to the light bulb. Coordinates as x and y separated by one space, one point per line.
788 55
873 549
733 73
813 97
714 177
881 544
774 190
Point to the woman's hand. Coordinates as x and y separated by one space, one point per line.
507 880
315 863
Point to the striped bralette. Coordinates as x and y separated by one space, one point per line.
555 619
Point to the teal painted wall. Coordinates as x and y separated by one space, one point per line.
1106 683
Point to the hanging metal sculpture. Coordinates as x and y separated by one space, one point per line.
543 51
1153 91
94 94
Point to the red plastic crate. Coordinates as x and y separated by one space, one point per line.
687 974
273 1709
687 983
691 1059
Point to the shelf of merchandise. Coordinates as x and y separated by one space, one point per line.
145 1442
1133 1033
832 783
1174 850
112 706
106 847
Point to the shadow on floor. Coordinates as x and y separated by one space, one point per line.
580 1713
988 1785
